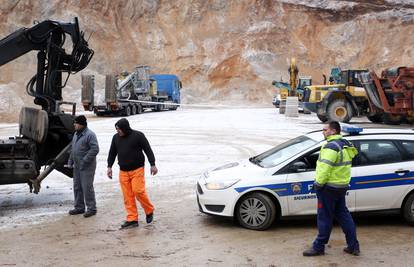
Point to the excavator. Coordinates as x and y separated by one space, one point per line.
293 88
45 133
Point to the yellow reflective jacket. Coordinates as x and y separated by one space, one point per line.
335 160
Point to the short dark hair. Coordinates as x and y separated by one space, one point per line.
335 126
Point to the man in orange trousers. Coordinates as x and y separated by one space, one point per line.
129 146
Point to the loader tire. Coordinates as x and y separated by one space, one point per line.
377 118
322 118
339 110
391 119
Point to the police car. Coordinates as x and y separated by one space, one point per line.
279 181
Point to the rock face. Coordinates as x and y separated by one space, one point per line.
224 51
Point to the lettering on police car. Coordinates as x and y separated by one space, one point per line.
304 197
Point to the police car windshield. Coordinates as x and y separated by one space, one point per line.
282 152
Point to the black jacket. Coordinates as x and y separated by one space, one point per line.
129 148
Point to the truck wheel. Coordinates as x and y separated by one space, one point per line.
322 118
128 111
391 119
139 109
256 211
339 110
134 110
377 118
408 209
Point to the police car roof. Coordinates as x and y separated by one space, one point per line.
318 136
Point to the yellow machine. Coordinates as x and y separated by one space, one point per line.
293 88
339 101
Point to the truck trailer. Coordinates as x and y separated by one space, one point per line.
133 93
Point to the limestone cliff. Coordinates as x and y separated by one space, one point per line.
226 51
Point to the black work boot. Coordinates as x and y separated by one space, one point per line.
312 252
129 224
354 252
89 213
150 217
76 212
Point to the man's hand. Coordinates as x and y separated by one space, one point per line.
154 170
109 172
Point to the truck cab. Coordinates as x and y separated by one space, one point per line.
169 85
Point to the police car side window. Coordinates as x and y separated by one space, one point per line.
408 146
309 160
378 152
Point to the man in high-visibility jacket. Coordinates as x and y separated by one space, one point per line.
333 174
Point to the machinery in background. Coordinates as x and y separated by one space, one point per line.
293 88
44 134
130 94
391 96
340 100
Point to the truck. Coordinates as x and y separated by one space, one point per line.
341 99
391 95
133 93
45 134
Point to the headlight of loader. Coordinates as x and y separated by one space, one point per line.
221 185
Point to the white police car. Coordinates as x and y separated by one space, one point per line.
278 182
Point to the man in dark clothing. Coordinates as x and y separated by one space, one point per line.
128 145
83 161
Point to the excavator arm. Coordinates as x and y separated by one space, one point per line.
46 133
48 37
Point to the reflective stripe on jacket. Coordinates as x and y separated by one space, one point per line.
335 160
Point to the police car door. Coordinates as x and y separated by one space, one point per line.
380 176
301 176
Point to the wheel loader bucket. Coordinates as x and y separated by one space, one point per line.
370 88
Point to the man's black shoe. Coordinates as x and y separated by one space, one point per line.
354 252
129 224
89 213
150 217
76 212
312 252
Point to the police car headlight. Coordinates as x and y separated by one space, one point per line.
221 185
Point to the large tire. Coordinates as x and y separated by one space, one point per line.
339 110
127 111
322 118
377 118
256 212
139 109
134 110
391 119
408 209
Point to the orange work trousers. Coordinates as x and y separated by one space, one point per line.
133 186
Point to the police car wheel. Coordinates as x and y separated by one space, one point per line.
256 212
408 209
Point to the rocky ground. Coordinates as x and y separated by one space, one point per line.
37 231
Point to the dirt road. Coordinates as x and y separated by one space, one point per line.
37 231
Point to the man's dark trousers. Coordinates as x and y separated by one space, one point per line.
83 188
331 204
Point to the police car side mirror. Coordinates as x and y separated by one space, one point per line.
298 166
